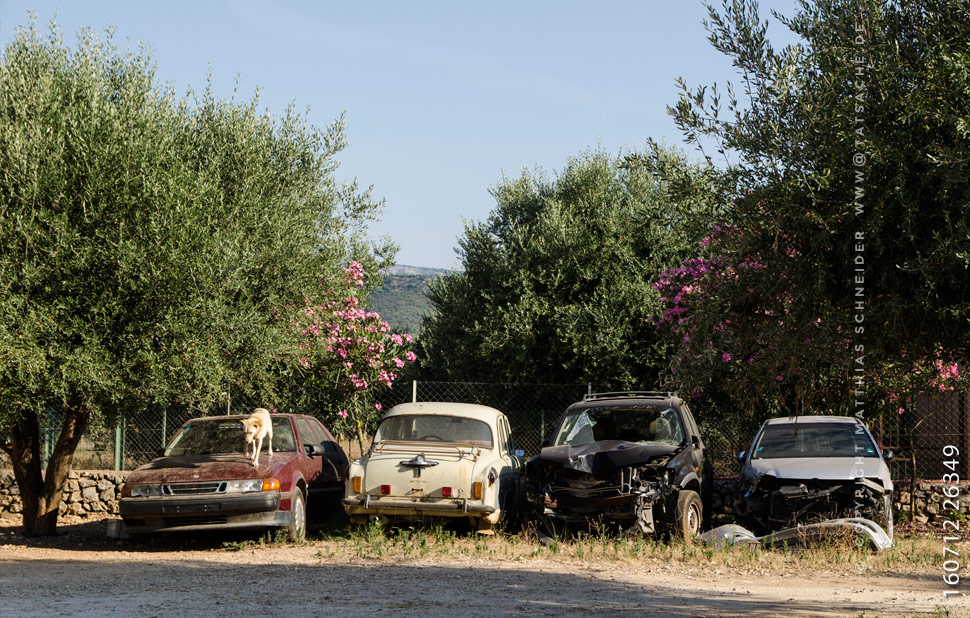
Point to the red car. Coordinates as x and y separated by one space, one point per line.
204 481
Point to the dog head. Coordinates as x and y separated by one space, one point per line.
251 427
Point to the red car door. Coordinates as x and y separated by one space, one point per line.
315 469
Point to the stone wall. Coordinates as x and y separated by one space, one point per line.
929 501
87 492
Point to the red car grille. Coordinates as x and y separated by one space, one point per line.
194 489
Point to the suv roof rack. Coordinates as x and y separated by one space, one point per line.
613 395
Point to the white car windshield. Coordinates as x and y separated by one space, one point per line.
434 428
789 440
641 424
225 436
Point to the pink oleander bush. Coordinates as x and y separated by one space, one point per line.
349 351
731 319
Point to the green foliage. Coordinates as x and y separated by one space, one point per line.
147 241
850 146
555 285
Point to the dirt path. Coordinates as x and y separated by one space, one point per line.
84 574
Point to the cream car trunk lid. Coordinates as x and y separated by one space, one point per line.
418 470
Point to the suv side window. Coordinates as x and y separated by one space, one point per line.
689 419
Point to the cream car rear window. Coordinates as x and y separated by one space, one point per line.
435 428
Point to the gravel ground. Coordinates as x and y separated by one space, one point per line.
83 573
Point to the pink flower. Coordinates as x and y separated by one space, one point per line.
411 356
780 378
355 273
343 414
397 339
725 357
398 362
378 406
901 410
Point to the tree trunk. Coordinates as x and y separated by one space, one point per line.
41 493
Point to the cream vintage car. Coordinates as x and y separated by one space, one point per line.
438 459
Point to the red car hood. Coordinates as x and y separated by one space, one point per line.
189 469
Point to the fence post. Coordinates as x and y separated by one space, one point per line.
414 391
542 426
119 443
164 425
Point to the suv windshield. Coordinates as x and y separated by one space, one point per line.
435 428
787 440
643 424
225 436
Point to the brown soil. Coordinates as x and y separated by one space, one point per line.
84 573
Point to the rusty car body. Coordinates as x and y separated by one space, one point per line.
203 481
635 459
438 459
809 469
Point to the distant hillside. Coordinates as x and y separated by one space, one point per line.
401 301
404 269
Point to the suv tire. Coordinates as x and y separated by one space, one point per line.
688 514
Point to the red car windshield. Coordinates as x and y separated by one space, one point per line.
224 436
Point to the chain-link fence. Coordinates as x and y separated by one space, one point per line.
138 437
931 438
534 410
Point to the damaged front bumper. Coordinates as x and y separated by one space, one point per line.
774 503
623 497
804 536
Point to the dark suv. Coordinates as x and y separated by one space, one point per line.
630 458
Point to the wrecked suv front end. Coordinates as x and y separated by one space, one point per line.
625 459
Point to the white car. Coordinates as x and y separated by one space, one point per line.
809 468
438 459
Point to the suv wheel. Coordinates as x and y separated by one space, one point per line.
688 514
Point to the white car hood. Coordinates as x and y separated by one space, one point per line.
823 468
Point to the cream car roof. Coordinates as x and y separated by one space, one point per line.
467 410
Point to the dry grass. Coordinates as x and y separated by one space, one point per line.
913 554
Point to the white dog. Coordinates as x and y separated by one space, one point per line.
258 426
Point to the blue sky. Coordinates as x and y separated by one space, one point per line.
441 98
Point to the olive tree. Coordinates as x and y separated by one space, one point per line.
840 274
555 286
150 245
